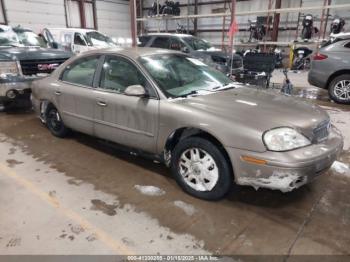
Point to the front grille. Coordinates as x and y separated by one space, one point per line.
31 67
322 131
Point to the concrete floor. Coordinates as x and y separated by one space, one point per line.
81 196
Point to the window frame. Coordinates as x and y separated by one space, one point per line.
96 74
82 13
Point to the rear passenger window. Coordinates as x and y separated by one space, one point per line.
81 72
143 40
347 45
161 42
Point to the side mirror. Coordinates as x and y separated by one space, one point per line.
135 90
185 49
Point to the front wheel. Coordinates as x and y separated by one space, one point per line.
55 123
339 89
201 169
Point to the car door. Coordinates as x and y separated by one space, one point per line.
127 120
75 93
48 37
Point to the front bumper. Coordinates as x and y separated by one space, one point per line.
286 171
16 90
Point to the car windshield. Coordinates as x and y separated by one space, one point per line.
179 76
28 38
95 38
8 38
20 38
197 43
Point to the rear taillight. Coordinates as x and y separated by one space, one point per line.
319 57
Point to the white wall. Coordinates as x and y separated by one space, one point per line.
113 16
35 14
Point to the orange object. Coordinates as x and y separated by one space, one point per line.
254 160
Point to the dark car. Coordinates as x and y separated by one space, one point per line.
23 58
330 69
197 48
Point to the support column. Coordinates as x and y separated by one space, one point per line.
233 16
82 13
195 21
133 21
276 22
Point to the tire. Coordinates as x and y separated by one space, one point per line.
55 123
339 89
197 151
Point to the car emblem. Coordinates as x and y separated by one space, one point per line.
45 67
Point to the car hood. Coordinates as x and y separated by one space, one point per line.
258 110
32 53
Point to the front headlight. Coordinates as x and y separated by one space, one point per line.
8 68
284 139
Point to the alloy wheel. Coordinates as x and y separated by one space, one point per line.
342 90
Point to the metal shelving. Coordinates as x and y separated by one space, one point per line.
257 12
276 11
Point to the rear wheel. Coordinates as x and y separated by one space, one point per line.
55 123
201 169
339 89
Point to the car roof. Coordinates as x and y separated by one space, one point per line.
133 52
71 29
168 34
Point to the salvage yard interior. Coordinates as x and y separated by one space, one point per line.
171 131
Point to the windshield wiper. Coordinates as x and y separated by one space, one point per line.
224 87
195 92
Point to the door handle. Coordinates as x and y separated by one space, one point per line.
58 93
101 103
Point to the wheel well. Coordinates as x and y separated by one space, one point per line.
44 106
336 74
186 132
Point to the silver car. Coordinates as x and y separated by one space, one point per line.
191 117
330 69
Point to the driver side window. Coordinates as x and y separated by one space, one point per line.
81 72
79 40
118 73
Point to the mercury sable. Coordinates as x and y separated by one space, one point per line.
211 133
